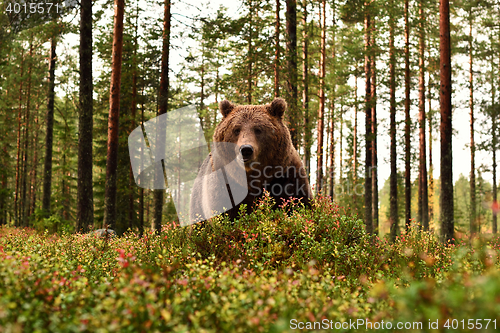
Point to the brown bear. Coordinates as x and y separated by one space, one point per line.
252 151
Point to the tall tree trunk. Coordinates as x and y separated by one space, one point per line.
407 120
250 57
113 119
374 168
291 46
494 115
473 222
133 111
277 52
446 200
431 166
423 205
141 189
305 92
33 186
368 125
85 196
47 171
332 118
163 106
355 132
27 130
321 111
19 119
393 195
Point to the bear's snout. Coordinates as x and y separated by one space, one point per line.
246 152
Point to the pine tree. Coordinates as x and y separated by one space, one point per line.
114 115
446 198
85 195
393 219
321 110
423 206
47 179
163 105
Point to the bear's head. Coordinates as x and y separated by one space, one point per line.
258 132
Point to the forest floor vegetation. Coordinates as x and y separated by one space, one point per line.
265 272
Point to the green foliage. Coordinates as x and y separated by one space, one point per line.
256 274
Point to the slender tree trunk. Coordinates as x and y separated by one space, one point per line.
355 131
291 45
33 186
85 196
133 111
473 221
141 189
341 137
250 58
277 52
19 119
446 200
393 195
368 126
47 171
305 92
114 115
27 129
423 205
494 114
374 168
332 119
163 106
431 166
321 111
407 120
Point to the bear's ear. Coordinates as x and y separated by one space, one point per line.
277 108
226 107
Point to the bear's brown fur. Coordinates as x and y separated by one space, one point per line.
263 147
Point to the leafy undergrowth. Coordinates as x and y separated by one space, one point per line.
270 271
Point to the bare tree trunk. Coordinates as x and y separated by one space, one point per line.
85 196
19 118
423 205
47 172
133 111
34 168
407 121
473 221
291 45
374 146
114 115
277 52
368 126
393 195
141 189
431 166
250 58
332 119
27 130
163 106
494 115
447 218
321 111
355 142
305 92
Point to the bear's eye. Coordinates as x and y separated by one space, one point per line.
237 131
257 131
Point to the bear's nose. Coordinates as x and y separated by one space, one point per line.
246 151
